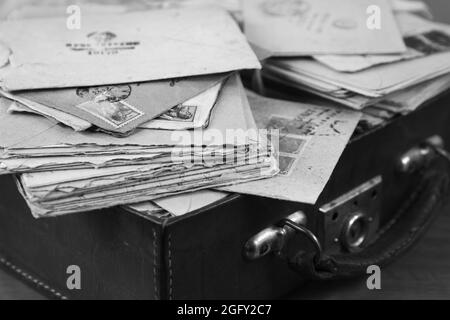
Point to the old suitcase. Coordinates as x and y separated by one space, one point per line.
386 189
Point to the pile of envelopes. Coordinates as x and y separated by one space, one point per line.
135 107
310 140
129 108
349 61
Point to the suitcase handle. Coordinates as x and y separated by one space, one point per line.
395 238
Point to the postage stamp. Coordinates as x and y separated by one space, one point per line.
296 126
107 103
291 145
283 8
286 164
181 113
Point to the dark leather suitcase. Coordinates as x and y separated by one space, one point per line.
243 247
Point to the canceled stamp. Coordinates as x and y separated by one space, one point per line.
285 8
108 104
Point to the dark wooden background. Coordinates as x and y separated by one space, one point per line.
423 273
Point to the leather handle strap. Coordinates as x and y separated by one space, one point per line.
395 238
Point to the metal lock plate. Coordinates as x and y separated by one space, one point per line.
352 220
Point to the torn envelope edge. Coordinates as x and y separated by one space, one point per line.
116 150
169 93
359 102
185 203
67 119
139 172
12 165
130 196
355 101
395 76
158 178
157 190
203 104
173 206
227 115
5 53
146 209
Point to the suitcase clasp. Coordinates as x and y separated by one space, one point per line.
419 156
274 238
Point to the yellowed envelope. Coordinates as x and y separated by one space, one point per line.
125 48
310 142
305 27
21 131
188 202
120 109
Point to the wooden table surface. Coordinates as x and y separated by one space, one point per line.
423 273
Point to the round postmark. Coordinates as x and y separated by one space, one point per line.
345 24
110 94
285 8
108 104
101 38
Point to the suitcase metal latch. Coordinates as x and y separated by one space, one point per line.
420 156
349 223
273 239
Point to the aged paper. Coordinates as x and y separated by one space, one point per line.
189 202
119 108
375 82
75 123
191 114
145 46
305 27
228 114
120 189
311 141
422 38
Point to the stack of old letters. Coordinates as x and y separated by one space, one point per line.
140 103
361 54
128 108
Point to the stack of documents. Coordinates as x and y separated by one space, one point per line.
299 28
146 109
64 171
129 108
331 52
156 60
309 139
